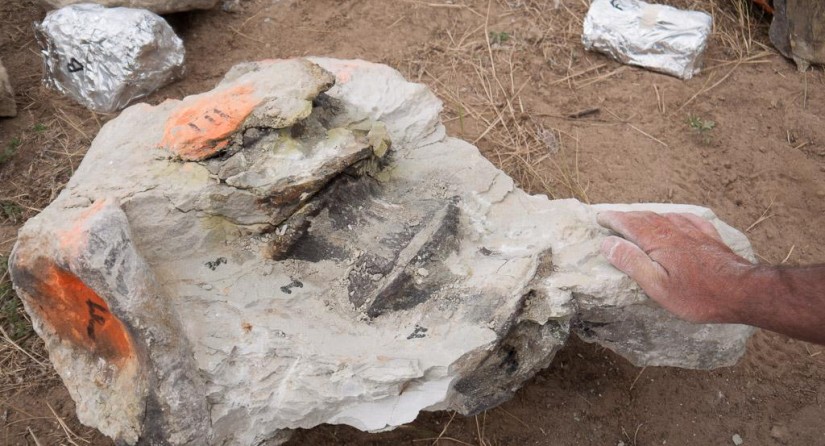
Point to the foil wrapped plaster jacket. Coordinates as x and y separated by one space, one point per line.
657 37
156 6
105 58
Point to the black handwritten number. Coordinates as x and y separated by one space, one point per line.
287 289
216 263
418 332
74 66
94 318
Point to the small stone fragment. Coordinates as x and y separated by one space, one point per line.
231 5
737 440
8 108
780 433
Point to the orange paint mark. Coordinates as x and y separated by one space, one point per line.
343 76
77 314
344 73
200 130
75 238
764 4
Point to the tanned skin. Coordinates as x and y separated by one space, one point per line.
680 261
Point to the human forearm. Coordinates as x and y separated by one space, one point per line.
681 262
790 301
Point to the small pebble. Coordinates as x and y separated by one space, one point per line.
737 440
423 272
780 433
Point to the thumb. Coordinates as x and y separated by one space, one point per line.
631 260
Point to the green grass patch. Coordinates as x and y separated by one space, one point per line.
701 127
11 212
499 38
10 150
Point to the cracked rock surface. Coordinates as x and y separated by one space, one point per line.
304 245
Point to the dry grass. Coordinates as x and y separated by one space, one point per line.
738 27
480 433
482 78
33 179
23 360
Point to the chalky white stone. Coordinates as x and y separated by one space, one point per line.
314 249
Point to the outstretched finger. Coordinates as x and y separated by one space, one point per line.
631 260
642 228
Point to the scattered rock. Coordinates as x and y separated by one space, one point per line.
231 5
737 440
780 433
157 6
314 249
8 108
798 31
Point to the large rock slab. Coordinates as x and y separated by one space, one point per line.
304 245
798 31
157 6
8 108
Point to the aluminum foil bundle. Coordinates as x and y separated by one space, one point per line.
106 58
156 6
661 38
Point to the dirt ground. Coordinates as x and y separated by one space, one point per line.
755 154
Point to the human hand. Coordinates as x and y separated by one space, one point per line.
680 261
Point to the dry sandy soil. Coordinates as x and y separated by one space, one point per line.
761 168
